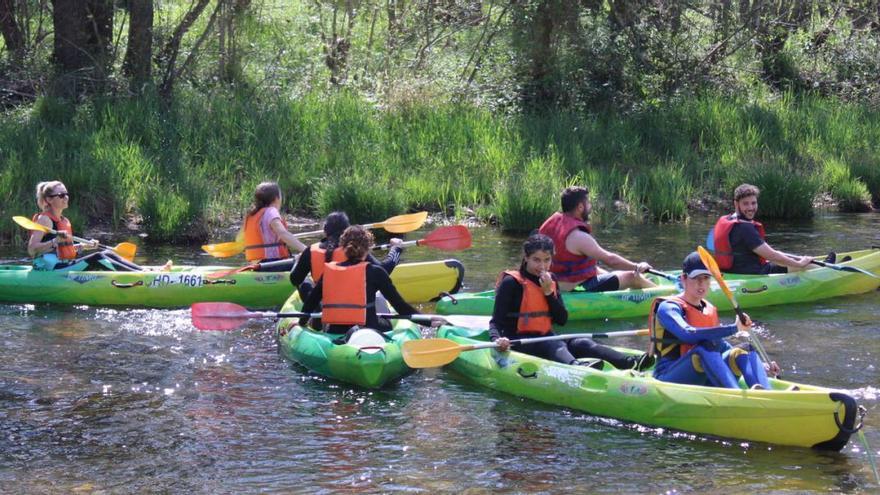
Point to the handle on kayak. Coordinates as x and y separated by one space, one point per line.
746 290
129 285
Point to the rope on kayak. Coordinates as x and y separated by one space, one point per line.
871 461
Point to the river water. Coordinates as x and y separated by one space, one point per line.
97 400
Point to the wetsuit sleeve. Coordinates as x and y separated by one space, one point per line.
311 303
746 234
508 296
302 268
558 313
391 259
383 283
671 316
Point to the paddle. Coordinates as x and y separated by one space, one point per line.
452 238
710 263
841 268
396 225
431 353
125 249
229 316
668 276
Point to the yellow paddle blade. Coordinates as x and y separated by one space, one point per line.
712 265
30 224
224 249
126 249
403 223
430 353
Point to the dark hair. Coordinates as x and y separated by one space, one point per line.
334 225
536 242
573 196
744 191
356 241
265 193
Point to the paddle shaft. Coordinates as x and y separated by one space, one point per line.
78 239
624 333
667 276
834 266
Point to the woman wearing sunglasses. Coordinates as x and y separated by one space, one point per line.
58 252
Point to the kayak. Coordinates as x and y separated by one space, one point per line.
752 291
185 285
809 417
367 366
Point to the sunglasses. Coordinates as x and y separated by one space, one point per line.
59 195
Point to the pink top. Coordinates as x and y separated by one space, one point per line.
271 213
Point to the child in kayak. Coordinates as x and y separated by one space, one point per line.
58 252
688 339
266 237
312 260
528 303
346 292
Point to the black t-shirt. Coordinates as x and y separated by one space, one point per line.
744 238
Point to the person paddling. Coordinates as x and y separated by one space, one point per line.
739 240
575 264
58 252
312 260
266 237
346 292
528 303
687 338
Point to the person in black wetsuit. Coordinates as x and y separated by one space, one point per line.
346 291
527 304
311 261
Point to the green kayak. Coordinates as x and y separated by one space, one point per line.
809 417
184 285
751 291
368 365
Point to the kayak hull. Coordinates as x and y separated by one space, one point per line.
185 285
752 291
814 417
363 367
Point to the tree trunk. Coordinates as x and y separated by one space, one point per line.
82 47
168 56
139 55
12 34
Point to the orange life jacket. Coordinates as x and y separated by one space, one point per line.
254 243
567 266
319 258
534 312
345 294
721 237
65 249
671 346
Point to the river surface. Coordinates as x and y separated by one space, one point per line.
98 400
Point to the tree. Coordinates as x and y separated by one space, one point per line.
82 47
12 34
139 55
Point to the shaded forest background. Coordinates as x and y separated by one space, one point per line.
165 114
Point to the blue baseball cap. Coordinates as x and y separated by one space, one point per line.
693 266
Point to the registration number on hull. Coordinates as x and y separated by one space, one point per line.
185 279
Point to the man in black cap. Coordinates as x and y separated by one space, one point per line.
688 339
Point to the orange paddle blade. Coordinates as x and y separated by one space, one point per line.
401 224
224 249
452 238
126 249
712 266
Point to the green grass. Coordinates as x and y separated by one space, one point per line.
187 168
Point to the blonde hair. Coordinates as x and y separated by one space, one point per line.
44 189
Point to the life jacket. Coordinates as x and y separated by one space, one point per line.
254 244
567 266
671 347
534 312
65 250
723 249
319 258
345 294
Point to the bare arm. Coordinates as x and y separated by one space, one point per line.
292 242
579 242
770 254
36 246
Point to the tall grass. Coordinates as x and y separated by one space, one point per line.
186 168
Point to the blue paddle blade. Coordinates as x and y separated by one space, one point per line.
710 240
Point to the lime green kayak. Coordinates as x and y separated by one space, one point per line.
369 366
752 291
184 285
809 417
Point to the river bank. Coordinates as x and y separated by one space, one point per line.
184 173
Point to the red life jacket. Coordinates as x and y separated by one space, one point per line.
254 243
670 346
65 250
319 257
534 316
345 294
721 237
567 266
